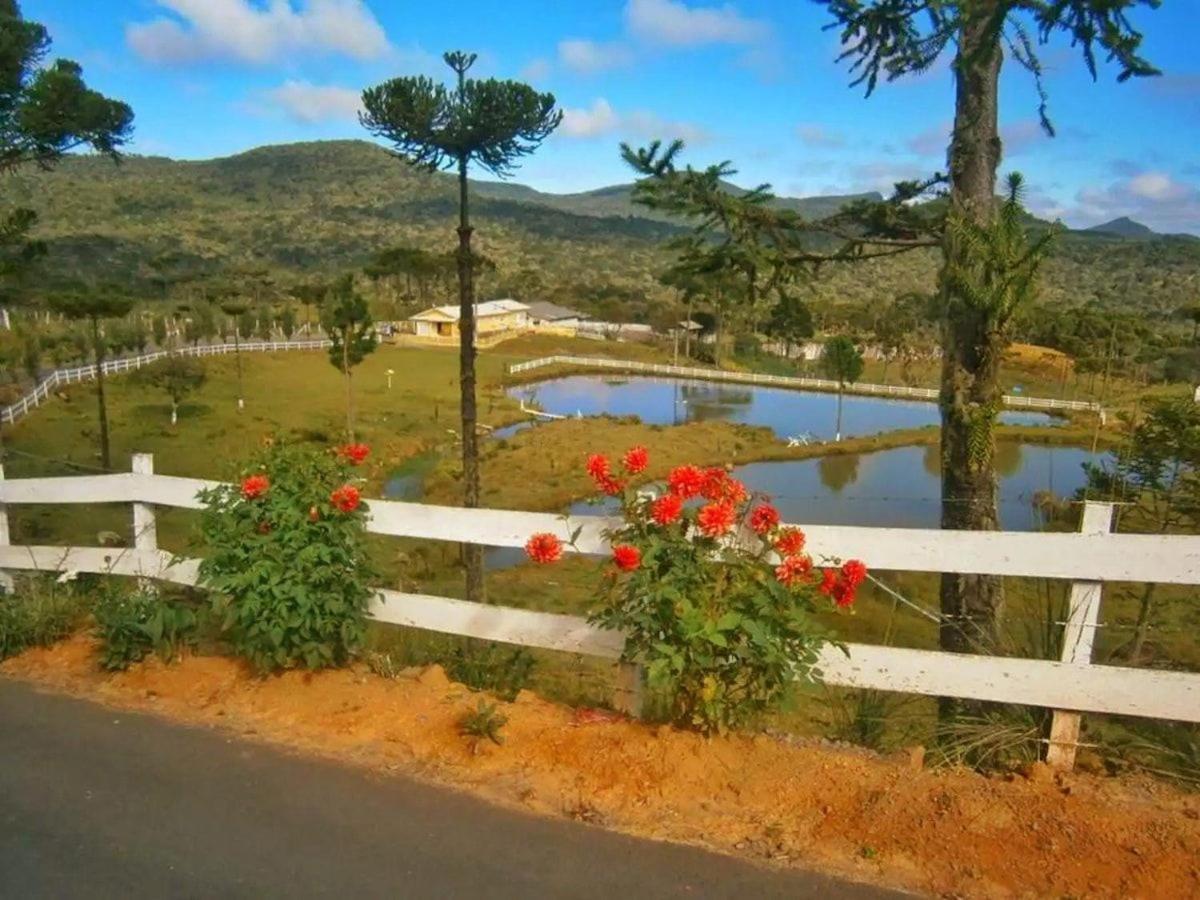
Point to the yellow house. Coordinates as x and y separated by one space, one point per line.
491 317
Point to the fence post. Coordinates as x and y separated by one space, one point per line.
627 697
6 582
1079 634
145 529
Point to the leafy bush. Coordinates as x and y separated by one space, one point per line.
38 613
132 625
286 558
483 723
502 671
715 598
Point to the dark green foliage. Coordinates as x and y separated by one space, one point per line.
288 570
347 321
503 671
175 375
133 625
483 723
38 613
841 360
489 122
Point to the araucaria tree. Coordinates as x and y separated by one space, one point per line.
93 305
895 38
842 361
46 111
177 376
236 310
486 122
348 323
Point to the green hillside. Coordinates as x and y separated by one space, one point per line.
294 211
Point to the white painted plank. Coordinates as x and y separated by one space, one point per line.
117 488
1046 683
156 564
496 623
491 527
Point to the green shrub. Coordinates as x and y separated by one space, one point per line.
483 723
38 613
286 559
132 625
713 596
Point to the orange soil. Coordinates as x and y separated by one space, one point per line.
951 833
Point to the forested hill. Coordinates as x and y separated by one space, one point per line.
297 210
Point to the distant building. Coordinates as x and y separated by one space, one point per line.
492 317
550 315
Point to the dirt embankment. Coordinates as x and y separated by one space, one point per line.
949 833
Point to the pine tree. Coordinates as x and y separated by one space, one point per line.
347 321
492 124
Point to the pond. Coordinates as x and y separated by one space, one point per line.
897 488
672 401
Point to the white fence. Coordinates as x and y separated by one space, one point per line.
60 377
786 381
1070 686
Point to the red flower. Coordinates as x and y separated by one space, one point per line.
627 557
354 453
685 481
843 594
716 519
346 498
636 459
264 527
828 581
667 509
544 548
718 485
255 486
854 572
598 467
611 486
793 570
789 542
764 518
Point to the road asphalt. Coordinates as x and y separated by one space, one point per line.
96 803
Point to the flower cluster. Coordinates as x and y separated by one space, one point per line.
354 453
346 498
634 462
544 548
254 486
841 585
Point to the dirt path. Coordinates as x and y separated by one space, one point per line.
799 806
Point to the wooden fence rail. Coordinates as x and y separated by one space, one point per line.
787 381
1070 686
59 377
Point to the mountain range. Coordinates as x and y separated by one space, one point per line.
298 210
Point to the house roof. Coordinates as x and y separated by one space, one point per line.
482 311
542 309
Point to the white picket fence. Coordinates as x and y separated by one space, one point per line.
1070 686
58 377
785 381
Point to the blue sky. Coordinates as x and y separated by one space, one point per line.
753 81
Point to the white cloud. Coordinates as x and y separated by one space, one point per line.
587 123
536 70
591 56
677 24
312 103
1157 198
244 31
600 119
819 136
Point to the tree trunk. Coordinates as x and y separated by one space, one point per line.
838 431
472 553
1141 627
971 605
349 390
98 351
174 411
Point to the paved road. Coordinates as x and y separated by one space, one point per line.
96 803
